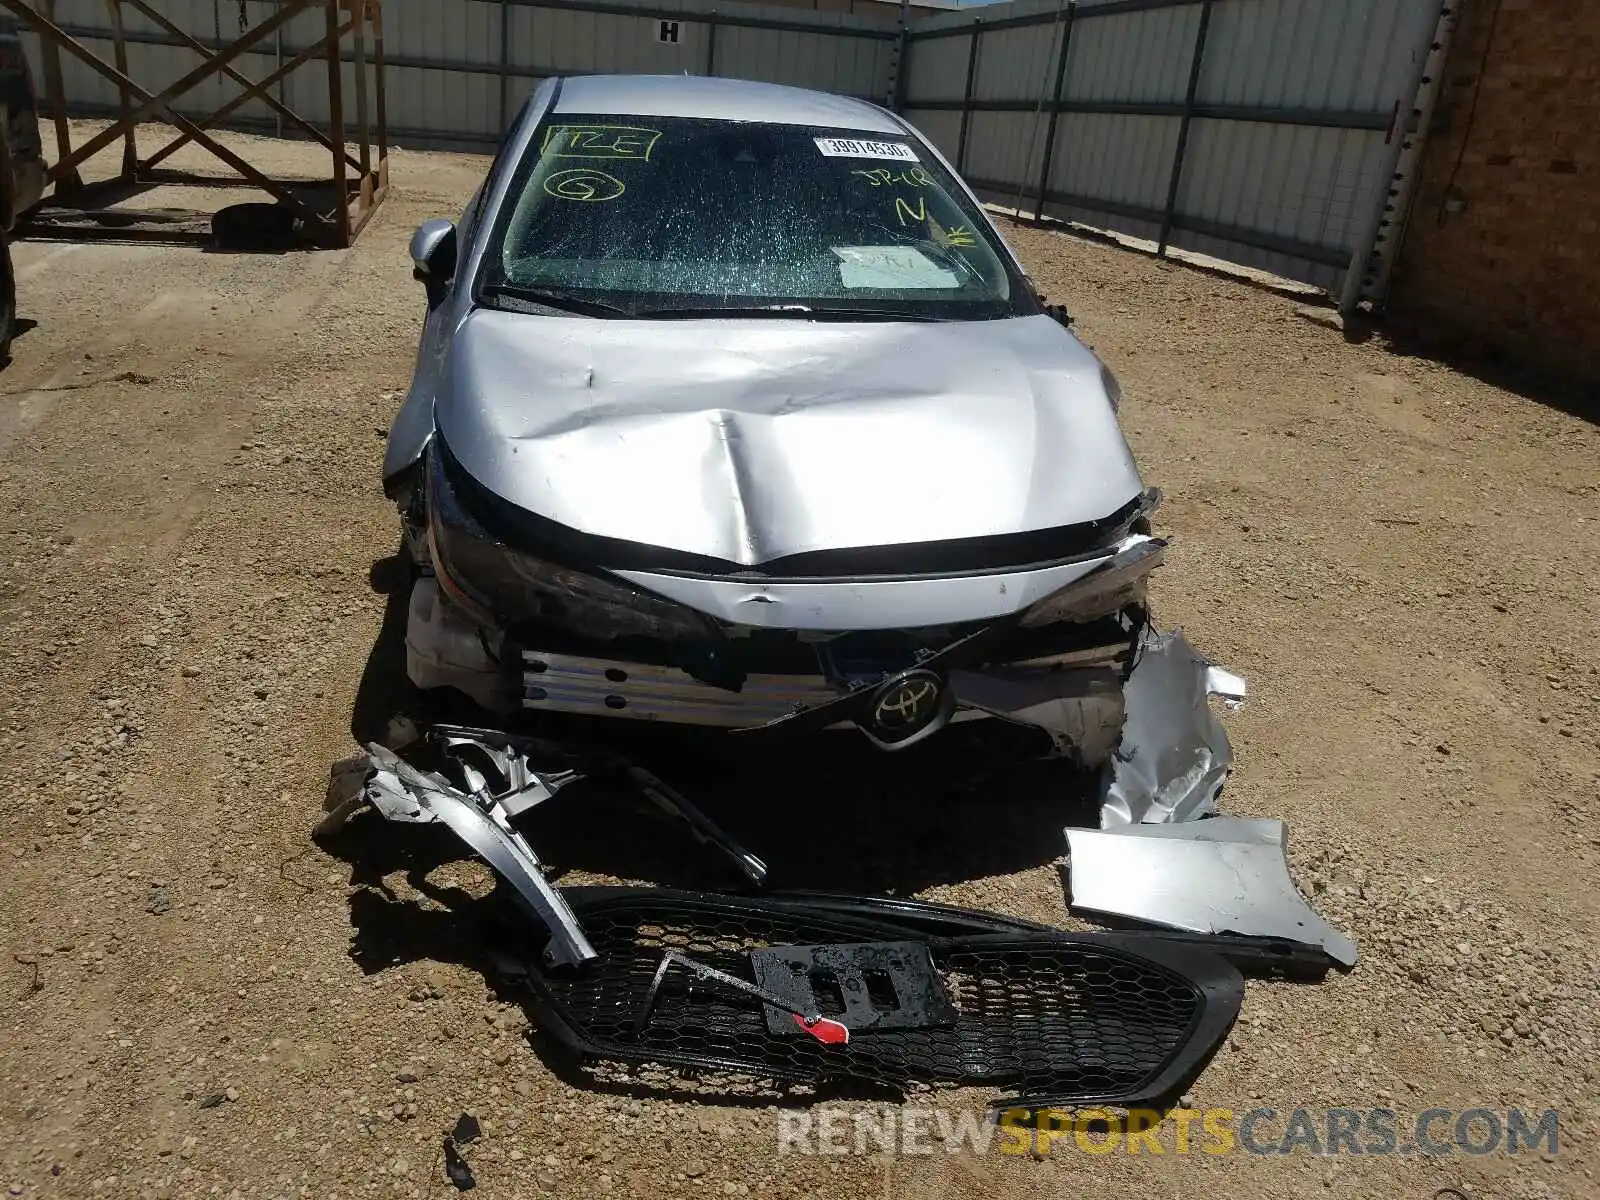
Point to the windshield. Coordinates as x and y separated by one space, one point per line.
663 216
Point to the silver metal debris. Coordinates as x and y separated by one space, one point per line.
1174 754
498 780
400 792
1218 875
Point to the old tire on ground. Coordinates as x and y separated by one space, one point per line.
254 227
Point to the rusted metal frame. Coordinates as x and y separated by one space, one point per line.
1185 121
374 184
1055 111
299 60
48 29
277 54
341 183
375 12
50 57
158 103
966 98
130 149
253 90
359 45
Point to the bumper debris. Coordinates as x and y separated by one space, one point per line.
1222 875
496 778
1174 754
400 792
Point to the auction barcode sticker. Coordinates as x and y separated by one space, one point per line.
856 148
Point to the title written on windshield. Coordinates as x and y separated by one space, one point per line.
599 141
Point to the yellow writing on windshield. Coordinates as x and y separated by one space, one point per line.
600 141
882 177
583 183
903 210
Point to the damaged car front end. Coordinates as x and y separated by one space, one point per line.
733 409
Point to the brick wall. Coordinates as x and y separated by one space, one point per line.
1502 252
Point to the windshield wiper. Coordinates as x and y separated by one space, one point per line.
556 298
799 312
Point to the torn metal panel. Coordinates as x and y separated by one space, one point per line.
400 792
1174 754
499 776
1219 875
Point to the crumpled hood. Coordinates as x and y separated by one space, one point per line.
749 440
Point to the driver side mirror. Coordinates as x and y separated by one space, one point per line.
433 257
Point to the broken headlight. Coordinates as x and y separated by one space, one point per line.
1114 585
508 586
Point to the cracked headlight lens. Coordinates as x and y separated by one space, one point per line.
509 586
1108 589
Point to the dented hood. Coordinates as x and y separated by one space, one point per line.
752 439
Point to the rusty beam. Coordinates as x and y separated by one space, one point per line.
376 12
360 72
160 102
257 91
253 90
50 56
48 29
341 185
130 148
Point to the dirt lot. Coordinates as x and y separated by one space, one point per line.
1401 560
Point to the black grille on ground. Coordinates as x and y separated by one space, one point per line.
1049 1017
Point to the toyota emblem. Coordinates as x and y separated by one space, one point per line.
907 703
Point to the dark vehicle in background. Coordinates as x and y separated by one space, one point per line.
21 162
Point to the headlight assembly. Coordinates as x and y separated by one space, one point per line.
1105 590
508 586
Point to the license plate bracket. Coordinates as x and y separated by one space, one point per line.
865 985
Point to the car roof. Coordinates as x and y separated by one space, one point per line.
729 99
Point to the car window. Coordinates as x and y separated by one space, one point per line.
652 213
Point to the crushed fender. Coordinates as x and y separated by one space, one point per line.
1174 754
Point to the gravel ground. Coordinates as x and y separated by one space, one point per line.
197 1001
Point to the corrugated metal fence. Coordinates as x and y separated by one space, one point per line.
1262 132
458 70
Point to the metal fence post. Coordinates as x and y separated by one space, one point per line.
1183 128
1055 111
505 65
1383 231
966 99
711 44
902 60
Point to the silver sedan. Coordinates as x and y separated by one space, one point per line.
733 408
